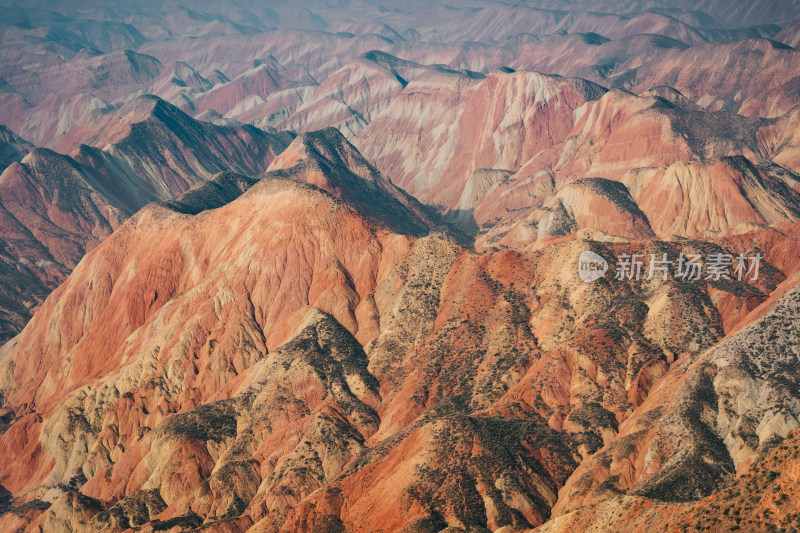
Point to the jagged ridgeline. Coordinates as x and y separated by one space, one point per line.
269 269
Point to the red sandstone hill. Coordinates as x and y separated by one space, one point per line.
53 211
754 77
327 160
62 92
55 208
494 187
275 361
254 330
349 98
527 112
257 83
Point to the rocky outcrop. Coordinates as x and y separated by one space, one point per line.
729 404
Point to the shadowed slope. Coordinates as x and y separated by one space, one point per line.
326 159
281 343
12 147
55 208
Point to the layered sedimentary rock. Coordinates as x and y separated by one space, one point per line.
728 406
513 105
269 331
714 195
274 360
55 208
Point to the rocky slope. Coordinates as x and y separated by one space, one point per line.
53 212
327 160
55 208
253 329
497 188
730 406
714 195
273 360
12 147
513 105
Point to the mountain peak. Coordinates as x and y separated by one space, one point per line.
326 147
12 147
326 159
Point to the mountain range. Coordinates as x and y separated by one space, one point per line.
318 268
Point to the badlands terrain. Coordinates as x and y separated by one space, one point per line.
317 266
